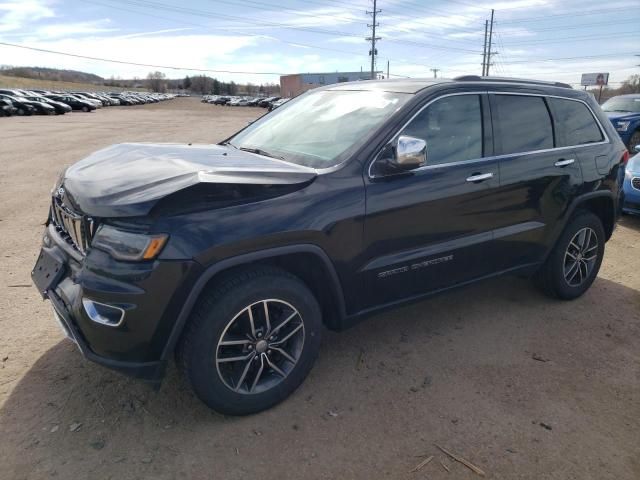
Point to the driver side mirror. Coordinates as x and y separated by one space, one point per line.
410 153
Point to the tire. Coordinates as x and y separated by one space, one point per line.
20 112
582 239
251 384
85 109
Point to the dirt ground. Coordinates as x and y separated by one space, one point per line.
521 386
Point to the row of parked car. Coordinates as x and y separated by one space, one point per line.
233 101
16 101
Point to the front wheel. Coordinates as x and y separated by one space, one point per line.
251 341
575 260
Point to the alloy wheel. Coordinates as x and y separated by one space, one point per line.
580 257
260 346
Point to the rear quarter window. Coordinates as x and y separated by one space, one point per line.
574 123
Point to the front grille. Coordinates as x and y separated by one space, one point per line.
635 183
75 228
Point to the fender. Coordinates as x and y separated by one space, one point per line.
244 259
576 202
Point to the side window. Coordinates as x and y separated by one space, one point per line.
452 128
523 124
575 123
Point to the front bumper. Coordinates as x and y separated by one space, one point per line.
631 203
151 294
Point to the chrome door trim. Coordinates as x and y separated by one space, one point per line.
493 157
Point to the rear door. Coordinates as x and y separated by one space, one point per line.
538 176
431 228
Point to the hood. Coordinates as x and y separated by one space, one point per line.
622 115
129 178
633 165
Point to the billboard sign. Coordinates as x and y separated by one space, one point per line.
590 79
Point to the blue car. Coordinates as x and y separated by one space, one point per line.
632 185
624 113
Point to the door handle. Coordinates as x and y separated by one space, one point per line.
564 163
479 177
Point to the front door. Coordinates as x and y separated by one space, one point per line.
430 228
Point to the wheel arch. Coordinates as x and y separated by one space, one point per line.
603 205
321 279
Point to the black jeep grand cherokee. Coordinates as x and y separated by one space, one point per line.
349 199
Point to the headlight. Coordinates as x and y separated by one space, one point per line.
123 245
622 126
628 174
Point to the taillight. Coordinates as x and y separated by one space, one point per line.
625 157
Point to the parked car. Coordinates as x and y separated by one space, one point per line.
22 105
74 102
59 107
624 113
6 108
221 100
278 103
85 98
265 102
632 184
235 256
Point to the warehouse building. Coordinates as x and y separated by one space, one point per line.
292 85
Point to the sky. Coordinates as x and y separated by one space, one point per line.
258 40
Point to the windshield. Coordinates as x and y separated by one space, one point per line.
622 104
319 129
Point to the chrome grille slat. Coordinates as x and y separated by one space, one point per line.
75 228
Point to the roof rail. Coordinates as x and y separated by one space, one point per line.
478 78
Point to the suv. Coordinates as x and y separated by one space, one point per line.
624 113
347 200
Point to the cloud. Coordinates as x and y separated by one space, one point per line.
15 15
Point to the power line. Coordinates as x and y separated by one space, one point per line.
203 13
604 55
109 60
579 37
572 15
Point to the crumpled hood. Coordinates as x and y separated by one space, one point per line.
129 178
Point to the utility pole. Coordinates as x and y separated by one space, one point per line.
489 52
373 52
435 72
387 69
484 52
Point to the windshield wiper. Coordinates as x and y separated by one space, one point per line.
259 151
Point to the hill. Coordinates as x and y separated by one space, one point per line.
51 74
27 83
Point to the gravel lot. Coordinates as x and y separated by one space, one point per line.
519 385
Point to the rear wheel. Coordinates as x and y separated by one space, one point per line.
85 109
20 112
575 260
251 341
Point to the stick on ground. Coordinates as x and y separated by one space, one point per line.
422 464
463 461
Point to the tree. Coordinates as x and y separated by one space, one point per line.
187 83
156 82
216 86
